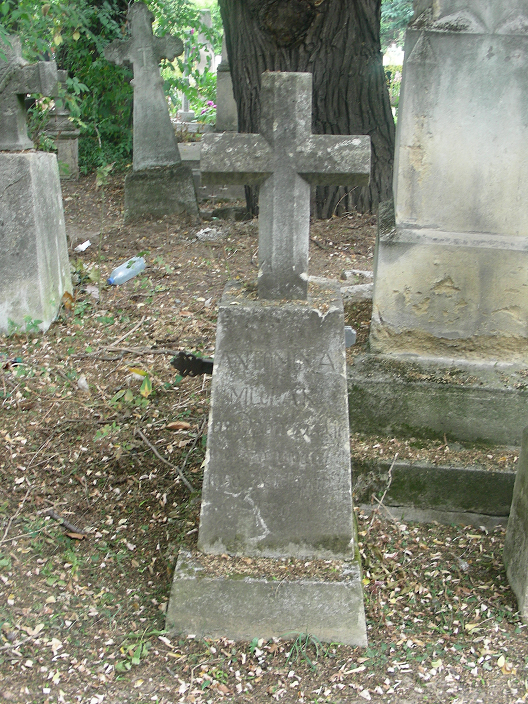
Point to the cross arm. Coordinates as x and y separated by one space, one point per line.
228 159
42 78
168 47
118 51
334 160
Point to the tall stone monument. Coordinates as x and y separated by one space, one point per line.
160 184
34 265
277 482
450 271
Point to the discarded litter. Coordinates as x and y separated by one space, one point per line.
83 246
209 234
126 271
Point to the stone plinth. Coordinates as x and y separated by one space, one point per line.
414 395
244 607
451 270
163 191
277 480
516 545
34 266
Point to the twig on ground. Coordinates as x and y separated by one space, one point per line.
120 339
138 351
184 479
319 244
69 526
380 501
198 436
15 515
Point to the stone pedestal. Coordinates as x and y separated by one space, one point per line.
66 137
451 258
277 481
451 271
162 191
516 545
34 266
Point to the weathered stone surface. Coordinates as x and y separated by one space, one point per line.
472 16
161 191
226 107
460 490
154 138
285 158
450 275
277 479
17 78
516 544
34 266
247 608
414 395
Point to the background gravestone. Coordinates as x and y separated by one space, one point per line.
160 184
451 294
66 136
34 266
277 482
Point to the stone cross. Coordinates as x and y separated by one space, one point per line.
17 78
154 140
286 159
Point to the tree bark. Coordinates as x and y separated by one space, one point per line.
338 42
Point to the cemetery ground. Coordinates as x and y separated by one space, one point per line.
97 432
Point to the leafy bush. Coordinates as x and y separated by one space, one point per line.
75 33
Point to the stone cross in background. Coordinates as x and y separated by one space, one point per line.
286 159
159 183
154 140
17 78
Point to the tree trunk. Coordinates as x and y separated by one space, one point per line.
338 42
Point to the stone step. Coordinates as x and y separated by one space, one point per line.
444 493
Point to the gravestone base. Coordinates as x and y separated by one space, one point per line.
242 607
166 190
516 543
34 266
420 396
277 481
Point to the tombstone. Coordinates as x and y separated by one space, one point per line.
66 136
160 184
516 543
187 121
277 481
226 107
34 267
450 273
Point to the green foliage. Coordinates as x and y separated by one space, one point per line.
98 93
395 16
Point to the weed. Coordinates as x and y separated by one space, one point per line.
303 643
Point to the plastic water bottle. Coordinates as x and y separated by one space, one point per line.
126 271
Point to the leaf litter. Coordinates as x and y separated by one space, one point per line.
92 518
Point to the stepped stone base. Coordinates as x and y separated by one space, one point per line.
245 607
418 396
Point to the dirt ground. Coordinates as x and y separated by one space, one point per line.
96 431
